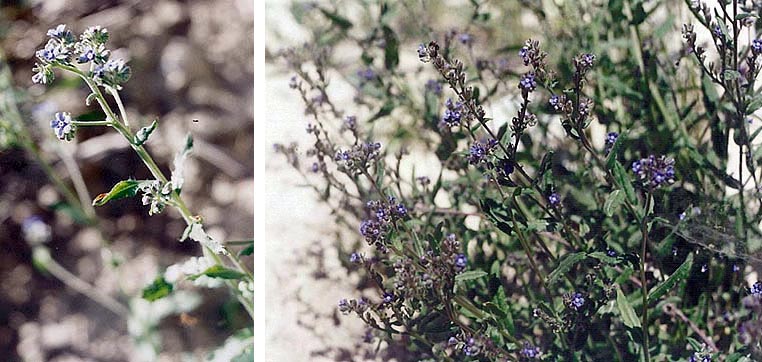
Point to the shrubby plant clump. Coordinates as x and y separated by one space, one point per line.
600 220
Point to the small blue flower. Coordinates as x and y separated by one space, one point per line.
87 56
555 102
54 51
528 82
554 199
62 126
461 262
388 298
577 301
401 210
611 253
611 138
756 289
423 53
315 167
736 268
756 46
355 258
344 306
471 349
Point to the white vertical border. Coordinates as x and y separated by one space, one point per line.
259 180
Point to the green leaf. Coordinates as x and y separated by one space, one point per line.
501 301
681 273
157 290
126 188
337 19
754 104
564 266
142 136
709 90
219 271
613 202
629 318
391 48
621 178
470 275
247 251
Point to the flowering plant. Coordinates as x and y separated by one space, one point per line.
565 231
88 57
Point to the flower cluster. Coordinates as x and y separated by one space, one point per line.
62 47
431 272
63 126
156 194
654 171
528 84
358 306
383 216
533 56
479 151
452 115
474 346
583 63
359 158
528 351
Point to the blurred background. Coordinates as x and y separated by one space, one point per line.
192 69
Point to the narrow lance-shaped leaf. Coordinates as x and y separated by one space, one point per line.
629 317
219 271
681 273
565 265
391 49
126 188
470 275
621 178
613 202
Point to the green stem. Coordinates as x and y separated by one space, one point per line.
643 281
178 202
